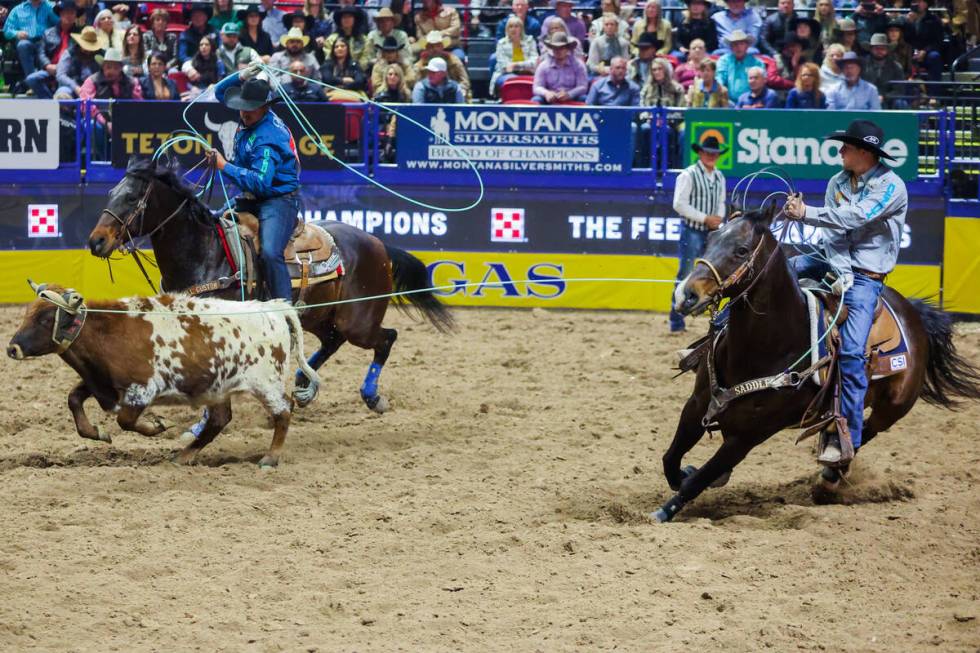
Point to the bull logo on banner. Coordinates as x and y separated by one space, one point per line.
226 135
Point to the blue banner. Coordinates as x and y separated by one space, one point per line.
516 138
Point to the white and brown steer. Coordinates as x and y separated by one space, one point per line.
170 349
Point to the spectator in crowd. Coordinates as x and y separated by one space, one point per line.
158 40
433 16
869 18
638 70
87 9
105 24
272 21
252 35
294 41
853 94
901 51
298 88
826 16
109 83
342 72
661 90
155 85
391 52
699 198
436 45
384 22
758 96
697 25
222 12
517 54
560 77
778 24
606 46
555 25
78 63
394 87
25 26
686 72
575 26
351 27
614 89
302 22
847 36
807 94
924 31
654 23
609 7
964 21
55 43
788 63
880 69
706 92
830 73
436 87
737 18
519 9
231 47
197 30
321 26
204 68
733 67
134 54
807 30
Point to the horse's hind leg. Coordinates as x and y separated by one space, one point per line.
369 389
218 417
732 451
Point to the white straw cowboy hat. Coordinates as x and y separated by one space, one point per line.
435 37
739 35
88 40
383 13
294 34
113 55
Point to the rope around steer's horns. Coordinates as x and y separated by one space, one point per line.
70 302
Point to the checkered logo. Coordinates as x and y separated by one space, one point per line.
42 221
507 226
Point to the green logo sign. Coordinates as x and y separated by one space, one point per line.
794 140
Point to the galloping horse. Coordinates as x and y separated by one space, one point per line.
768 329
151 200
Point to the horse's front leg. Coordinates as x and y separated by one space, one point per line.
689 432
732 451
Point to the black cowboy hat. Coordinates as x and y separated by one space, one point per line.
287 21
792 38
895 22
360 18
251 9
391 44
65 4
254 93
649 40
865 135
709 145
197 6
815 27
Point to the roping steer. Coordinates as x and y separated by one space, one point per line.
137 351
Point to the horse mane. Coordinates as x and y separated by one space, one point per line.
149 170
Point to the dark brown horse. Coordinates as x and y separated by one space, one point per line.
768 330
151 200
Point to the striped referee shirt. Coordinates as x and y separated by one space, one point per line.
698 194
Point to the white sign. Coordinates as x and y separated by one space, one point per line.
42 221
507 226
29 132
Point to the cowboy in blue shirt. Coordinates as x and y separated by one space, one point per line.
862 217
266 166
25 25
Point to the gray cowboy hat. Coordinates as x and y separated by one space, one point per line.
865 135
253 94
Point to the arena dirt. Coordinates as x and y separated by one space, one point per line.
499 506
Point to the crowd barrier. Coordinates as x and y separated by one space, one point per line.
571 192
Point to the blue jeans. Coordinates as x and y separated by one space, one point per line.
860 300
27 50
38 82
277 219
690 247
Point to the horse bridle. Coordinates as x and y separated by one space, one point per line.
138 212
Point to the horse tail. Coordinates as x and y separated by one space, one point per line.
949 376
303 395
412 278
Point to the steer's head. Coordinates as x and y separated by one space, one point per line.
35 335
726 265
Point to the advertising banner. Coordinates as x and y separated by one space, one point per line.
571 140
139 128
794 139
29 134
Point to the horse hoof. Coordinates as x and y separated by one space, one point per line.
378 404
660 516
186 438
268 462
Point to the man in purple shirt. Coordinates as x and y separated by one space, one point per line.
563 9
562 77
